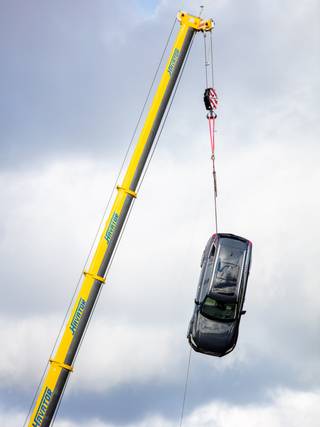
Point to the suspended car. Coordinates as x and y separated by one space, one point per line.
225 267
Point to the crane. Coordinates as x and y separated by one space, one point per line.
61 364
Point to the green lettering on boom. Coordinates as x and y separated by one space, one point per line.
173 61
77 316
111 227
42 409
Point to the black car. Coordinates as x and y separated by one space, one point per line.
225 267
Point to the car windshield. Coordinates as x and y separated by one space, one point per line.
218 310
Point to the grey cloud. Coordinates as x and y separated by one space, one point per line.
74 79
133 402
63 84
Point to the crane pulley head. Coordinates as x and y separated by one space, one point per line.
195 21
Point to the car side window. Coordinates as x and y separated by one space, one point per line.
207 275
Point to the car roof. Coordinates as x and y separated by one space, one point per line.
227 279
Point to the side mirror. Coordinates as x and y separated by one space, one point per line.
196 302
243 312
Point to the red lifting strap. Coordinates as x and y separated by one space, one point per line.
211 121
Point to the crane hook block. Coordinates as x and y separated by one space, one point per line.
210 99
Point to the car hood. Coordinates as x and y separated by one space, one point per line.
214 336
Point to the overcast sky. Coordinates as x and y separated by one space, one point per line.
73 79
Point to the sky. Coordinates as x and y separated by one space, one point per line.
73 79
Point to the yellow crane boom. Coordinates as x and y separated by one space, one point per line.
61 364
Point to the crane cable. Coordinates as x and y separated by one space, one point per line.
211 103
185 388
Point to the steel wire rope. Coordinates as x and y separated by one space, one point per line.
211 117
130 209
215 205
98 230
186 385
205 58
185 388
211 52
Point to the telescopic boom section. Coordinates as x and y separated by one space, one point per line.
61 365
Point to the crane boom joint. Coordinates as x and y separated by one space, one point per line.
128 191
61 365
95 276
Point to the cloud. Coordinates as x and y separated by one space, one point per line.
286 407
111 366
145 307
77 80
61 65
